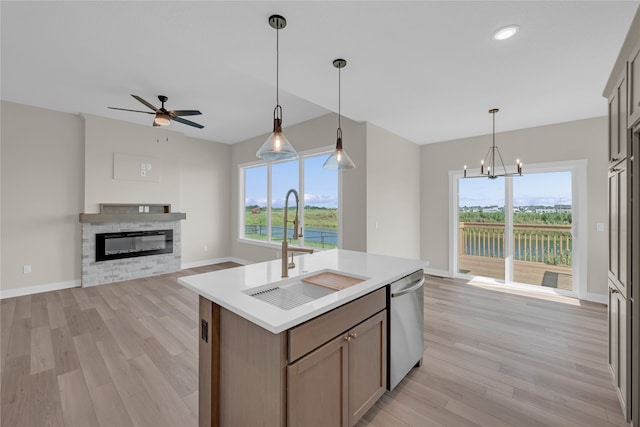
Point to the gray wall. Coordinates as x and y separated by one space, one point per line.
42 195
393 194
45 185
194 178
583 139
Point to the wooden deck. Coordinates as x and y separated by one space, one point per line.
533 273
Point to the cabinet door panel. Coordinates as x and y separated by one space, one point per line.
619 226
613 225
367 365
619 346
634 88
317 387
614 128
613 333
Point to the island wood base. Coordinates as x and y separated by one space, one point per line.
243 367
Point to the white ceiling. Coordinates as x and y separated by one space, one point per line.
427 71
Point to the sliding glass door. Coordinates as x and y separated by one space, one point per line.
542 221
481 227
517 229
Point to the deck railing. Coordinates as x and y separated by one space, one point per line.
549 244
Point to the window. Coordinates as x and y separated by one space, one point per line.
264 187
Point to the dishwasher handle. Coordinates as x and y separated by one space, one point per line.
408 290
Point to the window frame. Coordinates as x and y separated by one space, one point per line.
268 243
578 169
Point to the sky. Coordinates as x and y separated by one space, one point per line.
321 186
545 189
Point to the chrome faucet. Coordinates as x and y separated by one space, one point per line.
286 249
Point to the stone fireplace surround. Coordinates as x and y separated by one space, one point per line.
128 217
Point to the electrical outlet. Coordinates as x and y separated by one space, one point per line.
26 269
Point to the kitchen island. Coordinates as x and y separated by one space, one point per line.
320 362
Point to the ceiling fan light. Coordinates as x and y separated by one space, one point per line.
161 120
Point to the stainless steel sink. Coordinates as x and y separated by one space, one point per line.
295 291
290 294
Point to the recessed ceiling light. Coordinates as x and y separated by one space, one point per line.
506 32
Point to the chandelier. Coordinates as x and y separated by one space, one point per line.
493 156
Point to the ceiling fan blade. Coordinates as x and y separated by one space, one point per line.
146 103
186 122
184 113
135 111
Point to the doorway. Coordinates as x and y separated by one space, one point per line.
521 230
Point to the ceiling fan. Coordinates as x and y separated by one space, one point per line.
163 116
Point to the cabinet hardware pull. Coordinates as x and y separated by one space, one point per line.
614 159
348 338
354 335
614 291
614 170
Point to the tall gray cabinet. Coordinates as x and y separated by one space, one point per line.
623 95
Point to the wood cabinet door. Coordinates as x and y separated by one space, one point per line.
618 120
619 349
317 389
634 87
367 365
619 226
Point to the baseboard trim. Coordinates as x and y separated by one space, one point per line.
47 287
599 298
214 261
436 272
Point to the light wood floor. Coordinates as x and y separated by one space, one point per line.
497 357
125 354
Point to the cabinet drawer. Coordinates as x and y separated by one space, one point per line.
315 332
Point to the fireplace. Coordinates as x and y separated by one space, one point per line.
129 244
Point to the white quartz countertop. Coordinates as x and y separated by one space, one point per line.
226 287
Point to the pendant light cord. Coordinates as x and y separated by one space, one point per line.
277 66
339 98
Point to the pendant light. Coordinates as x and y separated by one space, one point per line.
277 146
490 159
339 159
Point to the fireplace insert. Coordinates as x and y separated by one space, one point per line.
128 244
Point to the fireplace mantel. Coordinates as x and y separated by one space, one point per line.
132 212
131 217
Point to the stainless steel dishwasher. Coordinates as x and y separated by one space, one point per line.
406 326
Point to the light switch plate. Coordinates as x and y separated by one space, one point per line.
600 227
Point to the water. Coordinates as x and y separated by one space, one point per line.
317 235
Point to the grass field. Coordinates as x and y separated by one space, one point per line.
321 218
